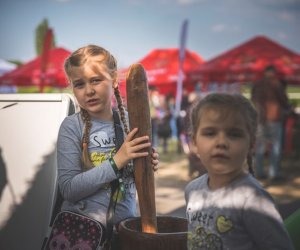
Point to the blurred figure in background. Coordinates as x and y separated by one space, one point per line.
154 103
170 99
164 130
271 101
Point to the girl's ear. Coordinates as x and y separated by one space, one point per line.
193 141
193 147
115 84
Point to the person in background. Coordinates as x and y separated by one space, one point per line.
270 99
154 102
86 149
171 102
227 208
164 129
181 123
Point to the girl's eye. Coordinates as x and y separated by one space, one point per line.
208 133
96 80
78 84
235 134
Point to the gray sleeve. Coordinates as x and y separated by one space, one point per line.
73 183
264 223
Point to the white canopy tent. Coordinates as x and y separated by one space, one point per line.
6 66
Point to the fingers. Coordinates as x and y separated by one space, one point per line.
155 160
138 154
140 146
155 165
134 146
137 140
131 134
138 143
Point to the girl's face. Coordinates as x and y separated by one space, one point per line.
92 87
222 142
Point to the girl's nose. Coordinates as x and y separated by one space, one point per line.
90 90
222 142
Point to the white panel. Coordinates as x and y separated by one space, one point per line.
29 125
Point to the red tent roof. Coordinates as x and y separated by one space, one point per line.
162 65
247 61
29 74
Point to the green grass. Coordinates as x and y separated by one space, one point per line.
172 154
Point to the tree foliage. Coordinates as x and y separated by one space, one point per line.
16 62
40 33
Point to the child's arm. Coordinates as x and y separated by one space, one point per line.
264 223
75 184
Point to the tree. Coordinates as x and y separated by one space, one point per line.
16 62
40 33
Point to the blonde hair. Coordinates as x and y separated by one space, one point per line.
227 103
79 58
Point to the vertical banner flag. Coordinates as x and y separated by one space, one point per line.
47 45
181 58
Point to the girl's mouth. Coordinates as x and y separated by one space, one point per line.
92 101
220 156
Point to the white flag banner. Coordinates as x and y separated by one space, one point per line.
183 36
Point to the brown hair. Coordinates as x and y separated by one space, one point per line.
79 58
228 102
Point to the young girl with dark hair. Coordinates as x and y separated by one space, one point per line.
227 208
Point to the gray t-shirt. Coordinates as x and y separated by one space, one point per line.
88 192
241 216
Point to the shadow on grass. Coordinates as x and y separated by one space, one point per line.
171 182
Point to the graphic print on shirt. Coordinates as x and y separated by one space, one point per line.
223 224
102 140
101 147
207 230
98 157
105 148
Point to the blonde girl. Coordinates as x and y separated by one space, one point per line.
87 157
226 207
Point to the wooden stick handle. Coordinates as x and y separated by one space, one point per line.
139 117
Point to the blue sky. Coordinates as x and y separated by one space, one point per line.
130 29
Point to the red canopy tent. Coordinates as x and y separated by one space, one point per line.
29 74
161 66
246 62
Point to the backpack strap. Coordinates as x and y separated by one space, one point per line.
115 184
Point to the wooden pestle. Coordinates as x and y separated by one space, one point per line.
139 117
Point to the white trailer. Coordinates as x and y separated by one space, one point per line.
29 125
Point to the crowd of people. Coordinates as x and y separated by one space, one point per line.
269 97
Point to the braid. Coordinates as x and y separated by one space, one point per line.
250 163
87 164
121 108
